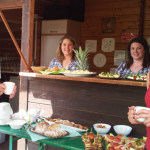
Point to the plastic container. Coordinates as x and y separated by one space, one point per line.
2 138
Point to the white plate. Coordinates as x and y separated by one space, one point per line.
79 74
68 127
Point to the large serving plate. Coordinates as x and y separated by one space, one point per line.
79 74
137 79
67 127
47 73
33 130
108 77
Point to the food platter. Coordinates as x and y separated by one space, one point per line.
59 136
67 126
79 74
52 72
107 75
142 78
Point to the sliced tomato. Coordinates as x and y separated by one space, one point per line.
117 139
120 135
130 138
134 77
91 135
130 144
113 144
111 148
109 138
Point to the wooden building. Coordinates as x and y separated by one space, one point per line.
86 100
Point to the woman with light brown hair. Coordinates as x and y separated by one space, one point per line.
65 54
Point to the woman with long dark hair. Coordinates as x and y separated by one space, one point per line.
138 61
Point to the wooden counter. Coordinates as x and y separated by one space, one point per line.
83 100
87 79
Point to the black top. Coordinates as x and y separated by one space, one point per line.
4 98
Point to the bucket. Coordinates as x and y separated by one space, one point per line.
2 138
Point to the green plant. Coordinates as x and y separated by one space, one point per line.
82 58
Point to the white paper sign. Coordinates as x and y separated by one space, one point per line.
91 45
99 60
108 44
119 56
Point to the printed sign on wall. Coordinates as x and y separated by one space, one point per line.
128 36
108 44
91 45
99 60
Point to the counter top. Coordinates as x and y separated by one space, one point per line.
93 79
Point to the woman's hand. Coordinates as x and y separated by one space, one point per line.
13 92
131 115
144 114
2 88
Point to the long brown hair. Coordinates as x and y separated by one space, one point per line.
60 54
146 60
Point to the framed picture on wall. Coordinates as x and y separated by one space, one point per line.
108 24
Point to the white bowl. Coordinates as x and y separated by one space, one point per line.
16 124
122 129
100 130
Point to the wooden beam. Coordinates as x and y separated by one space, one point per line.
27 31
10 4
141 17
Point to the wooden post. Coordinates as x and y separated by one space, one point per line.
27 31
27 49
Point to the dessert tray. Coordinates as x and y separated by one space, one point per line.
67 124
51 131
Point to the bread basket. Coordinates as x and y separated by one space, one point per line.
37 69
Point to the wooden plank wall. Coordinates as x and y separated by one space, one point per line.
86 103
9 4
126 14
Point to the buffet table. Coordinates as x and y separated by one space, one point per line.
73 143
83 100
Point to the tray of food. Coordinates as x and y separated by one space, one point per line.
138 77
54 70
78 73
107 75
92 142
51 131
67 124
123 143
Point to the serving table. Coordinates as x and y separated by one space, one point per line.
70 143
83 100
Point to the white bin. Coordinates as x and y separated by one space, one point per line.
2 138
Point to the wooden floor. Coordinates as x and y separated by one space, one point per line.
5 145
